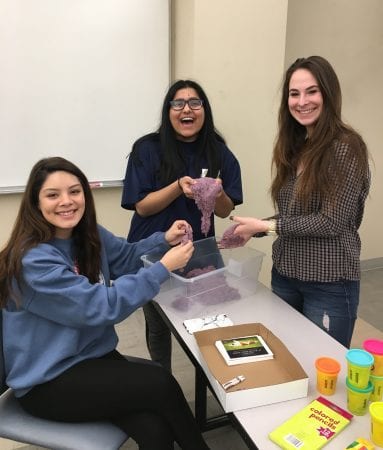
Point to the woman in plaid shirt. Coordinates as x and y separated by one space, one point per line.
321 181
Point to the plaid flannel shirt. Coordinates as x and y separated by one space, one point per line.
321 243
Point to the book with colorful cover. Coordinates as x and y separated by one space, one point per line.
312 427
244 349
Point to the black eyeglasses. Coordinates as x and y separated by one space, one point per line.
193 103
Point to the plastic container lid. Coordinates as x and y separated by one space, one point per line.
365 390
359 357
327 365
374 346
376 377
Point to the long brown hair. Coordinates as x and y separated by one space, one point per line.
315 153
31 228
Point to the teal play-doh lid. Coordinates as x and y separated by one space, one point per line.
365 390
359 357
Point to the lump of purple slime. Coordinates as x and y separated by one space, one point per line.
205 192
196 272
188 235
182 303
231 240
221 294
211 290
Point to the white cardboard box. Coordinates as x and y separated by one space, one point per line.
266 382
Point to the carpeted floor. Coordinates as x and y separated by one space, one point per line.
371 299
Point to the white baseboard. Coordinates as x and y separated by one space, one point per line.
371 264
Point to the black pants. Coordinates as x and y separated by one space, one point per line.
142 398
158 337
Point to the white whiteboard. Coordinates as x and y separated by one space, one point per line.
82 79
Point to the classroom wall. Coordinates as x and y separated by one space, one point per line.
238 52
240 56
349 34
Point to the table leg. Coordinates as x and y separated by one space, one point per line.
200 398
201 385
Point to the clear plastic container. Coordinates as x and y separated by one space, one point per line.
236 268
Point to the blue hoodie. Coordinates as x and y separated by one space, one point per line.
63 318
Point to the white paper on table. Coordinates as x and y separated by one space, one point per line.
206 323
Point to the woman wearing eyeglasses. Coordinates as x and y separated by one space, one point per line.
161 168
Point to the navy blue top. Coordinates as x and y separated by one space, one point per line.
141 179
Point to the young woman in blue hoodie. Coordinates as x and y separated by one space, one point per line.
60 309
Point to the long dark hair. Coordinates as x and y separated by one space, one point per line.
172 161
314 152
31 228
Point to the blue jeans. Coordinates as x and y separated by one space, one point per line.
332 306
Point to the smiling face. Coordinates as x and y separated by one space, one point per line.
305 98
187 122
62 202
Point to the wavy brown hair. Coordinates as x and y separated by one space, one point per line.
31 229
315 153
